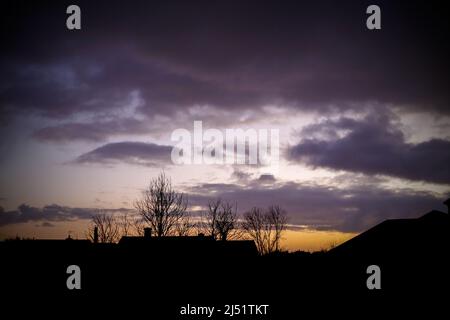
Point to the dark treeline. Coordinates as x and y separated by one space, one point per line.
165 211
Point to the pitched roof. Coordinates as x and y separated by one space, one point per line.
399 235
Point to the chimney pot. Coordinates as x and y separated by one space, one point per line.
95 234
447 203
147 232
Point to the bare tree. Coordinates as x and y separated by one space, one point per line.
161 206
184 227
209 218
226 220
277 219
254 225
220 221
265 228
108 229
138 226
126 223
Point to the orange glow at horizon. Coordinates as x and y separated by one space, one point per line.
313 240
292 240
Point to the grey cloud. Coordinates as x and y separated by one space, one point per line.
26 213
266 178
46 224
139 153
50 213
240 175
373 145
314 56
90 131
353 209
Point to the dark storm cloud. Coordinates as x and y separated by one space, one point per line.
54 213
140 153
266 178
313 55
45 225
25 213
92 131
373 145
354 209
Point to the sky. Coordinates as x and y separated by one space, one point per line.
86 116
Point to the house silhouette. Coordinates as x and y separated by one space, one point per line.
423 236
200 246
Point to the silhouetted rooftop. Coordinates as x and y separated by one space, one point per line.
187 245
400 235
136 239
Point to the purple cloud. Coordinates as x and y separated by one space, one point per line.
374 146
91 131
53 213
226 55
353 209
139 153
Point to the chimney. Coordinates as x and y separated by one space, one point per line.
447 203
95 234
147 232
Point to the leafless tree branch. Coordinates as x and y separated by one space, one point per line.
265 227
161 206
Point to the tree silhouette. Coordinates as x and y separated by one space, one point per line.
126 223
161 206
220 221
107 226
184 227
226 220
278 219
265 228
138 226
208 223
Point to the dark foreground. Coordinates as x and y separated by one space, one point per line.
125 281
